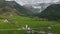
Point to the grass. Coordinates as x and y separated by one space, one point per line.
32 22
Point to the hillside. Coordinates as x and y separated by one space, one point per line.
52 12
14 8
19 8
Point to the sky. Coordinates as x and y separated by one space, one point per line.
22 2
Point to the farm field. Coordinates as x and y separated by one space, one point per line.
16 23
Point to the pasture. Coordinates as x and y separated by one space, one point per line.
18 22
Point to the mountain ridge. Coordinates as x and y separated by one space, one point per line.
15 6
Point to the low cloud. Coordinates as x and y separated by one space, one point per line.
22 2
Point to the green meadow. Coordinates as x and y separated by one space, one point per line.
21 21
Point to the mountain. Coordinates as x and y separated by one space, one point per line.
6 9
36 8
19 8
32 8
52 12
41 6
28 6
14 8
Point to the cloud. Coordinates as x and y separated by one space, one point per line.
22 2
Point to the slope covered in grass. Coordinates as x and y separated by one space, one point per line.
34 23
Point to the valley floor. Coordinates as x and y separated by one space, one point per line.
16 25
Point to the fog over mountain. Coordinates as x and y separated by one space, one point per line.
36 4
22 2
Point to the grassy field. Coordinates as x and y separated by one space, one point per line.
34 23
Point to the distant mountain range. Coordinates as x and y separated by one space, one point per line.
42 6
